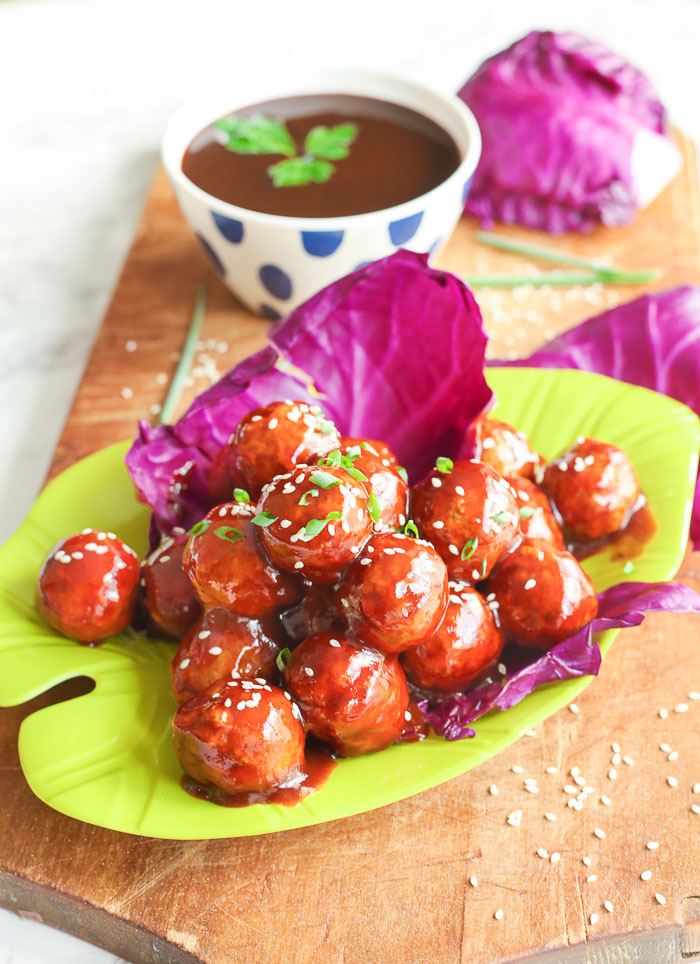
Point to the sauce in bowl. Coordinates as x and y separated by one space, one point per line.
395 155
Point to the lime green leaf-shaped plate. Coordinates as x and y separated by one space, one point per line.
106 757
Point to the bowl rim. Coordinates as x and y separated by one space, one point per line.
174 144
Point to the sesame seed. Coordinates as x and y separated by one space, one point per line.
645 875
488 443
695 808
605 800
696 788
615 759
216 650
694 695
541 852
499 913
591 879
615 747
627 760
476 574
127 392
586 861
517 769
555 857
531 788
474 881
530 584
672 782
681 708
550 769
205 634
570 789
574 708
663 713
550 816
407 716
502 669
665 747
459 490
273 423
299 564
593 919
184 664
131 345
659 898
436 483
308 671
600 834
224 716
227 701
612 774
241 705
673 755
652 845
608 905
579 780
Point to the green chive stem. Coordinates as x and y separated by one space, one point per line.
540 280
604 272
183 366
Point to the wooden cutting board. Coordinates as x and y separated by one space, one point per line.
394 885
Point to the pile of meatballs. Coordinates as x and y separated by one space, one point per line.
325 593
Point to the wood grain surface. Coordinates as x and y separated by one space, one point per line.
418 882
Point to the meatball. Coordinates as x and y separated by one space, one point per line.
314 521
224 644
469 513
542 595
376 462
503 447
466 643
316 612
594 487
351 697
167 595
394 594
537 520
274 438
227 568
240 736
88 586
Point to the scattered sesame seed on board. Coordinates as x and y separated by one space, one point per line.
574 708
663 713
659 898
693 695
516 769
672 782
555 857
474 881
591 879
493 790
499 914
681 708
652 845
550 816
541 852
695 808
600 834
586 861
645 875
593 919
608 905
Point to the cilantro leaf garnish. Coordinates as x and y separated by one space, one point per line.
229 533
240 495
300 170
373 507
256 135
469 548
444 465
330 142
403 473
264 519
283 658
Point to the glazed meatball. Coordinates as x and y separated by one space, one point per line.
314 521
379 466
542 595
351 697
470 515
224 644
465 645
227 568
503 447
167 596
594 487
273 439
316 612
88 586
240 736
537 520
394 594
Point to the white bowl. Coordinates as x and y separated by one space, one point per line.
273 263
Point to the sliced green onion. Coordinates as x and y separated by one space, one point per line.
354 452
332 460
403 473
469 548
327 427
334 515
444 465
240 495
283 658
501 518
183 367
264 519
411 530
526 511
200 527
324 479
311 494
223 533
549 278
483 568
313 527
629 567
373 507
357 474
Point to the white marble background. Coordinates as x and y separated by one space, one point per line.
86 88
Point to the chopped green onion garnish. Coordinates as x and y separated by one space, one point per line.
334 515
200 527
313 527
526 511
411 530
501 518
264 519
444 465
403 473
240 495
283 658
469 548
357 474
354 452
311 494
483 568
324 479
327 427
629 567
229 533
373 507
332 459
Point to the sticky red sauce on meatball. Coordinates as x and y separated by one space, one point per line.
224 644
352 697
316 612
167 594
240 736
537 520
394 594
227 568
464 646
470 515
379 465
594 487
314 521
88 586
271 440
502 446
542 595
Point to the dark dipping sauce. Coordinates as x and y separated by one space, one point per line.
397 155
627 543
318 766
